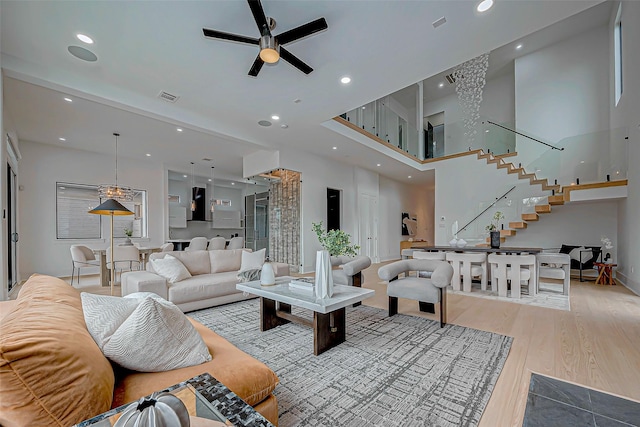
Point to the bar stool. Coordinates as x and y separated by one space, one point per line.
511 268
468 265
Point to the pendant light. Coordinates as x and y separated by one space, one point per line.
193 185
114 191
213 200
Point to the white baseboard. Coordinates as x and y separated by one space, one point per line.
632 285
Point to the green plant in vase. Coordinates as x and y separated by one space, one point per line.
336 242
128 232
493 225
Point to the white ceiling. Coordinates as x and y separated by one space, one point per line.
144 47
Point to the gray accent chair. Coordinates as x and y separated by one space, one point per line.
350 271
427 291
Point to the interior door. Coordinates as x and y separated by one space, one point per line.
262 222
12 243
369 226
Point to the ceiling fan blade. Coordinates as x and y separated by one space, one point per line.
260 17
293 60
228 36
256 67
302 31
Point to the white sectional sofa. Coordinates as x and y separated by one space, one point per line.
213 282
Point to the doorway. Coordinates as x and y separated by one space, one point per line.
12 241
369 226
333 209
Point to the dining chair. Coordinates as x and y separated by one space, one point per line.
468 265
217 243
236 243
555 266
515 269
197 244
167 247
434 256
124 258
82 256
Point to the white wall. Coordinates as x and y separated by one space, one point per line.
43 165
560 91
627 114
498 103
3 200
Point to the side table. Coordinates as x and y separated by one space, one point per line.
204 397
605 273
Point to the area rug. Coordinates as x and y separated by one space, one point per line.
391 371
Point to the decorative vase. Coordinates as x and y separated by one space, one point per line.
160 410
461 243
453 242
267 275
495 239
324 277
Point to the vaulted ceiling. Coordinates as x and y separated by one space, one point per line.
145 47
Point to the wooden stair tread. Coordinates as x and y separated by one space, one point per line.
502 239
505 233
518 225
542 209
515 170
530 217
507 154
556 200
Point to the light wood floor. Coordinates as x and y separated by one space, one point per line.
596 344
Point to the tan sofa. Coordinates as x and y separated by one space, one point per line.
213 282
52 373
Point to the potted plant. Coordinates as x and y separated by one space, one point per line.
492 228
128 232
335 243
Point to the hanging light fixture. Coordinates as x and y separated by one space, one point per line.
213 200
193 185
109 191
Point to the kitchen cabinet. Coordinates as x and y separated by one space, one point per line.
177 217
226 219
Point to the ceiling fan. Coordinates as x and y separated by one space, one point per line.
271 49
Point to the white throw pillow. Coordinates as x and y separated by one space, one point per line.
586 256
252 260
146 335
170 268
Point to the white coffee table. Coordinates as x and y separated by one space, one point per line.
329 319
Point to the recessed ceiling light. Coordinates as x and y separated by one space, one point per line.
409 177
297 101
84 38
62 139
486 130
284 126
378 165
441 85
519 47
148 154
179 129
233 183
581 161
68 99
484 5
275 117
209 180
364 108
335 148
345 80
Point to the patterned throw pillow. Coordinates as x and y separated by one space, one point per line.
170 268
143 334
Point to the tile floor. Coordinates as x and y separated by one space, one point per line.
553 403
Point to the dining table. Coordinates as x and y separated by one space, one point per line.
145 251
485 249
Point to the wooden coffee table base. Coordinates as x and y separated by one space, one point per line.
328 329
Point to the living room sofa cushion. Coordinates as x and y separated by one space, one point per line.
203 286
52 372
223 260
171 268
247 377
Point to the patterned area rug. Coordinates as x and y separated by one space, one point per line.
398 371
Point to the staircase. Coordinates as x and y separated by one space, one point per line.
555 199
559 195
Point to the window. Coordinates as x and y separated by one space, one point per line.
73 203
73 220
617 53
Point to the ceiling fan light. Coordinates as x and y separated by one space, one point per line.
269 50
